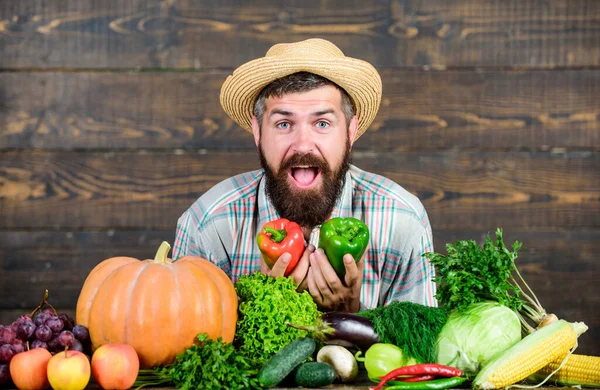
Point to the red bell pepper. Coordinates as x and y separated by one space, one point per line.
278 237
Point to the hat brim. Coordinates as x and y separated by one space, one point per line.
358 78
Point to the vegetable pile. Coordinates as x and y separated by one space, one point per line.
260 332
469 276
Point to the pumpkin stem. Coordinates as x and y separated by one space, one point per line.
162 252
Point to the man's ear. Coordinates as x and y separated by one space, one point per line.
353 129
255 130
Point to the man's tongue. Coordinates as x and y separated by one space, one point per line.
304 176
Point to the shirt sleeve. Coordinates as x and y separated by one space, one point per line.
184 237
413 276
203 240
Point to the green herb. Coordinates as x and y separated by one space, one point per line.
265 305
411 326
470 274
210 364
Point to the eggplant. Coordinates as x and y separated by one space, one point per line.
345 329
352 328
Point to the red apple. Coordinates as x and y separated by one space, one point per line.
28 369
115 366
69 370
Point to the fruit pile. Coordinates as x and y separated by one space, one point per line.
44 328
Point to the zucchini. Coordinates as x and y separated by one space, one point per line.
284 361
315 374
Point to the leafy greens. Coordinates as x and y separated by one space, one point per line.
470 274
210 364
411 326
266 304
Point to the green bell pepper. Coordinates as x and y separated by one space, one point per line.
339 236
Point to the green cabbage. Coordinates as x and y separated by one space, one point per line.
471 339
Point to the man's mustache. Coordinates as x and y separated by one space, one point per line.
307 159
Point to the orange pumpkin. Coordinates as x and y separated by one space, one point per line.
157 306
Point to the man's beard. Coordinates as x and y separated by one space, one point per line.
308 208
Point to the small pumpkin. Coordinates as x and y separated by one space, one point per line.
157 306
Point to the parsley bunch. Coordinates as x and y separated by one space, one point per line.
470 274
211 364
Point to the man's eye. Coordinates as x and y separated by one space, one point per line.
283 125
322 124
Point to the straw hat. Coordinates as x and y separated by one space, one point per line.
359 78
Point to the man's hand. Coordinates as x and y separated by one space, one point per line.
300 272
327 289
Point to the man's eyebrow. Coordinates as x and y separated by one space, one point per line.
281 112
289 113
323 112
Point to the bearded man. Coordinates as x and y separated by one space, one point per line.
306 104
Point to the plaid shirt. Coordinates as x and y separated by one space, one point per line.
222 226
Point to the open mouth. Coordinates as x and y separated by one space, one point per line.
305 177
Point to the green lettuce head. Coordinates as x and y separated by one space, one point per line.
471 339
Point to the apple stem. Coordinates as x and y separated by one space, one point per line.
66 349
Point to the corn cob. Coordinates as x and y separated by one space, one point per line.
578 370
532 353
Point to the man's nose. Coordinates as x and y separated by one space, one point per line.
304 140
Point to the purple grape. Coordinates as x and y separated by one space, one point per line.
38 344
4 373
43 333
54 345
24 317
50 312
7 335
18 345
65 338
81 333
55 324
15 325
40 318
26 330
6 353
76 346
68 322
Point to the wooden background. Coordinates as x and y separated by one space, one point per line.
110 127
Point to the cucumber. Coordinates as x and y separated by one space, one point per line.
284 361
315 374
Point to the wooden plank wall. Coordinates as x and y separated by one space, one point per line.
110 127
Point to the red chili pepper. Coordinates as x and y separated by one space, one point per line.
279 237
420 369
416 378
